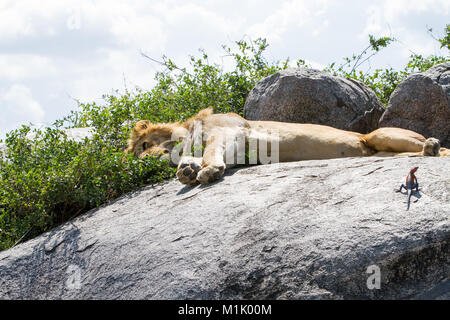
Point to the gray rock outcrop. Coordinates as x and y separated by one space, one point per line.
422 103
300 230
313 96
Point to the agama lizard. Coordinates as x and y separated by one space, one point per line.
411 183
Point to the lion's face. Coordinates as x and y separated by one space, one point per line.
152 145
156 140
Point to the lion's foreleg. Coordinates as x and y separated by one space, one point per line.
213 164
223 150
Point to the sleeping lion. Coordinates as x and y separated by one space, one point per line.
205 145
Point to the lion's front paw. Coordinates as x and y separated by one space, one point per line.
431 147
210 174
188 169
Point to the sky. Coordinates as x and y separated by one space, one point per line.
53 53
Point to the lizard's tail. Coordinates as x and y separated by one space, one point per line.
409 199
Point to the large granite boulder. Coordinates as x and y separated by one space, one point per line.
422 103
313 96
300 230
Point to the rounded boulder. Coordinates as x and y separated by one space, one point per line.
312 96
422 103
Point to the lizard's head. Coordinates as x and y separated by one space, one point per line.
414 169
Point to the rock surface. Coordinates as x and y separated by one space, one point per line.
422 103
300 230
313 96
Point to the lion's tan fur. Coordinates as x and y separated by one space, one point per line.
296 141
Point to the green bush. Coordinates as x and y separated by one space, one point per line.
50 179
47 180
383 81
181 92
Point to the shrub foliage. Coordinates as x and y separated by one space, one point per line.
49 179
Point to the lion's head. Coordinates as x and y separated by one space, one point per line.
156 140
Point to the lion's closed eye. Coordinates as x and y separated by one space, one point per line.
145 145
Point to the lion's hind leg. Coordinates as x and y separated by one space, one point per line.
431 147
444 152
390 142
395 140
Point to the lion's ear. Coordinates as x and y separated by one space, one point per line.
141 126
138 129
